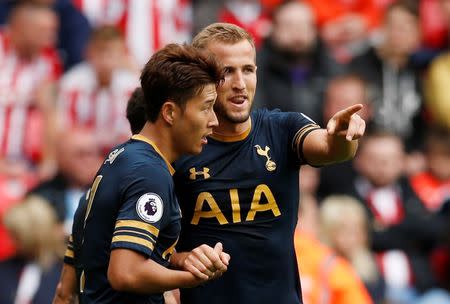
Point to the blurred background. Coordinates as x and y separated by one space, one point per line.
373 230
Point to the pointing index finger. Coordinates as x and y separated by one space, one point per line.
351 110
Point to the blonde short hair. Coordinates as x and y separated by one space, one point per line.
221 32
335 208
33 224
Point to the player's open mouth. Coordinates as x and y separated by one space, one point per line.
205 139
238 99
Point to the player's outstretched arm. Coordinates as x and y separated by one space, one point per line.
202 260
339 141
130 271
66 289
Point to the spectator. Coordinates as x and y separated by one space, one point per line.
28 68
433 188
433 185
73 32
392 79
147 25
402 230
293 67
31 276
248 14
325 277
344 227
94 94
345 26
205 12
342 92
78 160
12 191
309 180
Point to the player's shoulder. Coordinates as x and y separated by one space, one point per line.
276 117
137 158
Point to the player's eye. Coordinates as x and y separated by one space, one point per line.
249 69
208 107
227 70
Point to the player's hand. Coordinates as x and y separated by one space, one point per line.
224 258
347 123
204 261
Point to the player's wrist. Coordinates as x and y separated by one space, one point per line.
185 279
177 260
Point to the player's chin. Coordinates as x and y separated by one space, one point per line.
239 116
197 149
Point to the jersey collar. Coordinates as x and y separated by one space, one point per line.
232 138
151 143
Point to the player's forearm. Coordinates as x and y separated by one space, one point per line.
319 148
66 289
153 278
64 298
131 272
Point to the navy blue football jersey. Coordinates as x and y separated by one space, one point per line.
243 191
131 205
73 251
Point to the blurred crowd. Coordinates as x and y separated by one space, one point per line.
374 229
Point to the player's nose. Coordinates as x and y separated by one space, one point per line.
213 121
238 81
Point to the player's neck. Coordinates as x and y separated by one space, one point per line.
227 128
161 138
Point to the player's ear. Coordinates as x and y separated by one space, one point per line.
168 112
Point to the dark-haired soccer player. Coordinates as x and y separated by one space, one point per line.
67 288
136 111
242 190
124 238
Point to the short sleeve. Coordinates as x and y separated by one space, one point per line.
298 126
75 239
141 216
69 255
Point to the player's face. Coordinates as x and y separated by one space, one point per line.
196 121
235 95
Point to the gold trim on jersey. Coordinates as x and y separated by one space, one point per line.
132 239
151 143
137 224
169 251
135 232
298 137
233 138
82 282
69 253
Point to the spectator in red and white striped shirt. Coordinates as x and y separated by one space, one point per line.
94 93
147 25
29 67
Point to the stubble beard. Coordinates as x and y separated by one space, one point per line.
234 118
